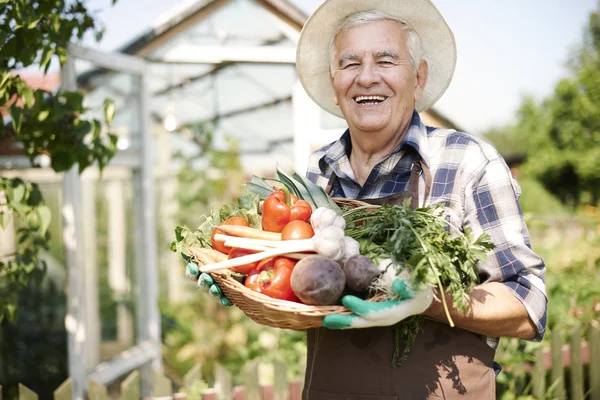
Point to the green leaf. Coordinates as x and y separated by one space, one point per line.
61 52
178 233
18 192
45 216
5 77
42 115
62 161
109 110
16 114
32 24
27 97
46 57
4 219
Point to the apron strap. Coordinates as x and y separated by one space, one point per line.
413 182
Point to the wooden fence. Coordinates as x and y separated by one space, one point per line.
576 362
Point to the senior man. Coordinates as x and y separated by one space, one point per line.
377 63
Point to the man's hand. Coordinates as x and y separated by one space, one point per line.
206 282
368 314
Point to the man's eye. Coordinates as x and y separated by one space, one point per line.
386 63
350 65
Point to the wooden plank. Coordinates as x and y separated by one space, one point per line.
130 387
538 378
161 385
64 391
26 394
557 375
194 375
73 240
97 391
576 364
280 384
594 350
223 383
251 382
124 362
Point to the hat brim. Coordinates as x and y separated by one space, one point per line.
437 45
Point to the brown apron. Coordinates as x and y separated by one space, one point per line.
444 362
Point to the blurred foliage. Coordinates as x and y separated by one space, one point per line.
33 350
22 209
201 330
33 33
561 134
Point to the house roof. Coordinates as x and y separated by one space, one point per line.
192 12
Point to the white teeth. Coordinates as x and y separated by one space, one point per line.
367 98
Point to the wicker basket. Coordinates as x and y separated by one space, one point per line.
272 312
277 313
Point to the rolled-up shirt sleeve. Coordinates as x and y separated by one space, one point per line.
492 206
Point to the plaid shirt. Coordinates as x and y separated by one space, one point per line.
473 182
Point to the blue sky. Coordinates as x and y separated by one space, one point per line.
506 48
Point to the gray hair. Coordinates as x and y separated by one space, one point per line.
413 41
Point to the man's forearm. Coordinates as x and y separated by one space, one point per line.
493 311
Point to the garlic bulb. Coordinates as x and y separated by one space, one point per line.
351 248
329 242
323 217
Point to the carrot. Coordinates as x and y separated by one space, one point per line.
214 254
247 232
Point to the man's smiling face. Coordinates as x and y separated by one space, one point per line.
374 81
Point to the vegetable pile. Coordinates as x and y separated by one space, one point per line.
291 241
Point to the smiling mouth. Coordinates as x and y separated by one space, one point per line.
369 100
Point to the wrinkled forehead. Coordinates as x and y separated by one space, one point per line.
377 37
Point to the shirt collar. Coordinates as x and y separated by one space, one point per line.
416 137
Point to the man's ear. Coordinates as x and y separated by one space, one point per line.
421 80
336 101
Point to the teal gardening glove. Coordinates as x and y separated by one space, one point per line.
406 302
205 281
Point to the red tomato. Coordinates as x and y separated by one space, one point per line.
272 278
237 252
296 230
219 246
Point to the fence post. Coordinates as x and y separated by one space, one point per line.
26 394
64 391
539 375
223 383
576 364
594 345
130 387
96 390
161 385
251 383
280 384
558 379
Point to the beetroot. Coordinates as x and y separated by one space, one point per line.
318 280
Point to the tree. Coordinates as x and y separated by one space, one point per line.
33 33
561 134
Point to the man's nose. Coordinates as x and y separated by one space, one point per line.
368 75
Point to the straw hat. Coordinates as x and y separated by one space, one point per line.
437 46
